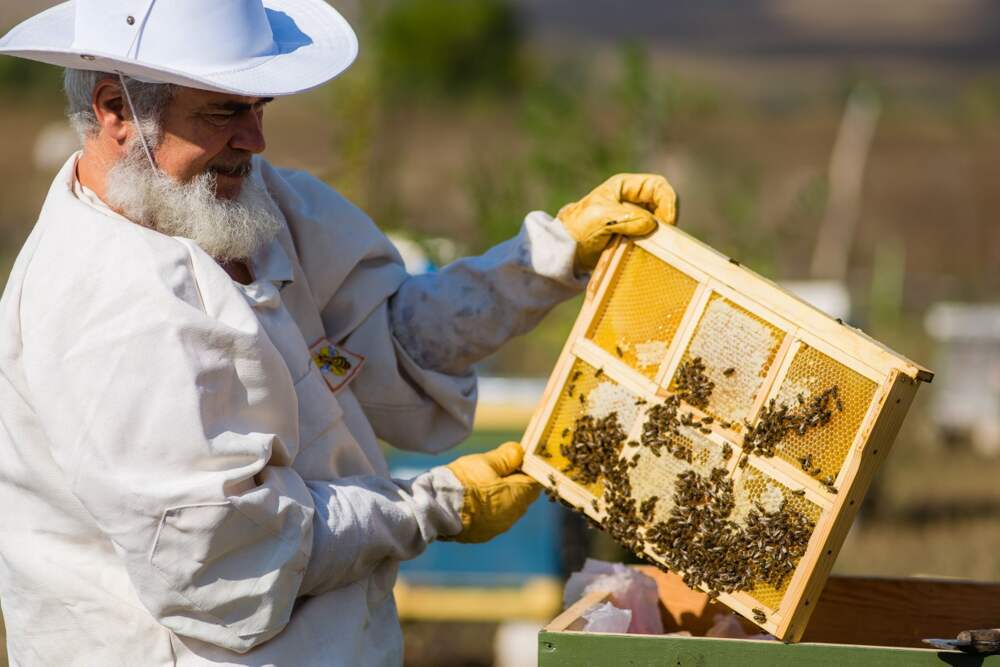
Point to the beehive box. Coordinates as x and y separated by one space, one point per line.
859 621
717 425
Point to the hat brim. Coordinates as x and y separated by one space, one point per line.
304 60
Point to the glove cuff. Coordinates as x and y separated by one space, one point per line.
453 495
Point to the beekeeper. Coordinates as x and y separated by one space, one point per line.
199 351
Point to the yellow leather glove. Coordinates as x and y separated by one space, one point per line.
496 495
627 204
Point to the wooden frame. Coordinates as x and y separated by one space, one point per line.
858 621
795 325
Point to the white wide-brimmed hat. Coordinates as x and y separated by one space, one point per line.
247 47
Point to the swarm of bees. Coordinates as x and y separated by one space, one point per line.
662 427
698 538
661 430
594 447
707 548
692 384
622 520
777 421
647 508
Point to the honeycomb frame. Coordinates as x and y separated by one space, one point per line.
862 433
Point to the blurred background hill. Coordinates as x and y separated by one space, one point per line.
459 117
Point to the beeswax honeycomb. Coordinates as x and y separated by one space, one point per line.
648 299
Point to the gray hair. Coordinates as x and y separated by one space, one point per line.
150 100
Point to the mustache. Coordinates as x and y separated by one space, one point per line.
240 169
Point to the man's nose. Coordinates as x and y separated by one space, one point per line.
249 133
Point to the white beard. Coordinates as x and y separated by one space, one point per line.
225 229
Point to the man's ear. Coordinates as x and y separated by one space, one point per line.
109 107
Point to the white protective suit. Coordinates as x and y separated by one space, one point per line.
178 483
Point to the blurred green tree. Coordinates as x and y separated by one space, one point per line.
576 130
432 47
17 75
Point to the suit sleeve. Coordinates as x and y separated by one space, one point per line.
449 320
420 334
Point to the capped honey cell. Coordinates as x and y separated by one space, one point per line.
736 348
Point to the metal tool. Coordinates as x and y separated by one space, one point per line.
971 641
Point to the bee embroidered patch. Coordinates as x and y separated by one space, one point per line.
337 364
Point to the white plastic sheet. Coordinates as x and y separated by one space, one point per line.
630 590
606 617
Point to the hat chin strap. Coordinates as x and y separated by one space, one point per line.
136 120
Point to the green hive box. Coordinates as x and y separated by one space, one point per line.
858 622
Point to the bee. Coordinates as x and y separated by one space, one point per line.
744 460
707 420
565 432
618 351
583 399
570 389
759 615
832 489
599 372
840 405
729 371
640 401
576 376
552 479
799 492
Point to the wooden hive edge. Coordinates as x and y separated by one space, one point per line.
571 617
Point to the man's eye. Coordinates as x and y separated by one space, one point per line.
219 118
